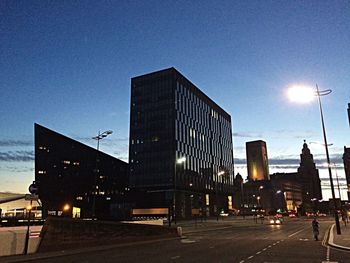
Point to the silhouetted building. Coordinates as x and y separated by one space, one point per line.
349 112
287 186
308 176
257 161
172 119
346 160
70 173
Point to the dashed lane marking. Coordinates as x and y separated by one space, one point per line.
187 241
176 257
295 233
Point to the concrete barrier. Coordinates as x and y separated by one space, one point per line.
12 240
66 233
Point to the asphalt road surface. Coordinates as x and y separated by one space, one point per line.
291 242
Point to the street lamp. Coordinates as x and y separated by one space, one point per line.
178 161
336 176
220 173
98 137
303 94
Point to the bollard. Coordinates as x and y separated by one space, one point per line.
179 231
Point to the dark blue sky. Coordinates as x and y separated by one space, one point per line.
67 65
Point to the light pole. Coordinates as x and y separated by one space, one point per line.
336 176
29 210
306 95
217 195
98 137
177 161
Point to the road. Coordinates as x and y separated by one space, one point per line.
291 242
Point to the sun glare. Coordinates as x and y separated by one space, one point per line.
302 94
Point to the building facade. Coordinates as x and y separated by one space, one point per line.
181 153
77 180
257 161
346 160
308 176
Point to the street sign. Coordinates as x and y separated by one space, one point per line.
31 197
33 189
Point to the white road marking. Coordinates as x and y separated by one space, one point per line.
295 233
175 257
264 249
242 261
258 252
250 257
187 241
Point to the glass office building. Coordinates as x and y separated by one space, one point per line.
77 180
180 142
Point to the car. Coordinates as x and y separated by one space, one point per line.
276 221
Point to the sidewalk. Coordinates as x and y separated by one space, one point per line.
340 241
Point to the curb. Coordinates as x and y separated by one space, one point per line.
331 243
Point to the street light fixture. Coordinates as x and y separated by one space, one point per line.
178 161
305 94
98 137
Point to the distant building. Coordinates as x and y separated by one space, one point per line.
280 191
349 112
74 177
180 142
346 160
308 176
257 161
287 185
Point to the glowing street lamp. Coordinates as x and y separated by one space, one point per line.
306 94
66 207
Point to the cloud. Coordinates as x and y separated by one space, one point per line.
10 143
17 156
246 135
16 169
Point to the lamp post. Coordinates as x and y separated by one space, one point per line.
29 210
217 195
177 161
336 176
98 137
306 95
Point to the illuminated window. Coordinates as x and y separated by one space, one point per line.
155 139
229 199
207 199
66 162
79 198
76 163
41 172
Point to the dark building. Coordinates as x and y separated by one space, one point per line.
308 176
180 141
299 191
287 184
257 161
346 160
349 112
74 177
